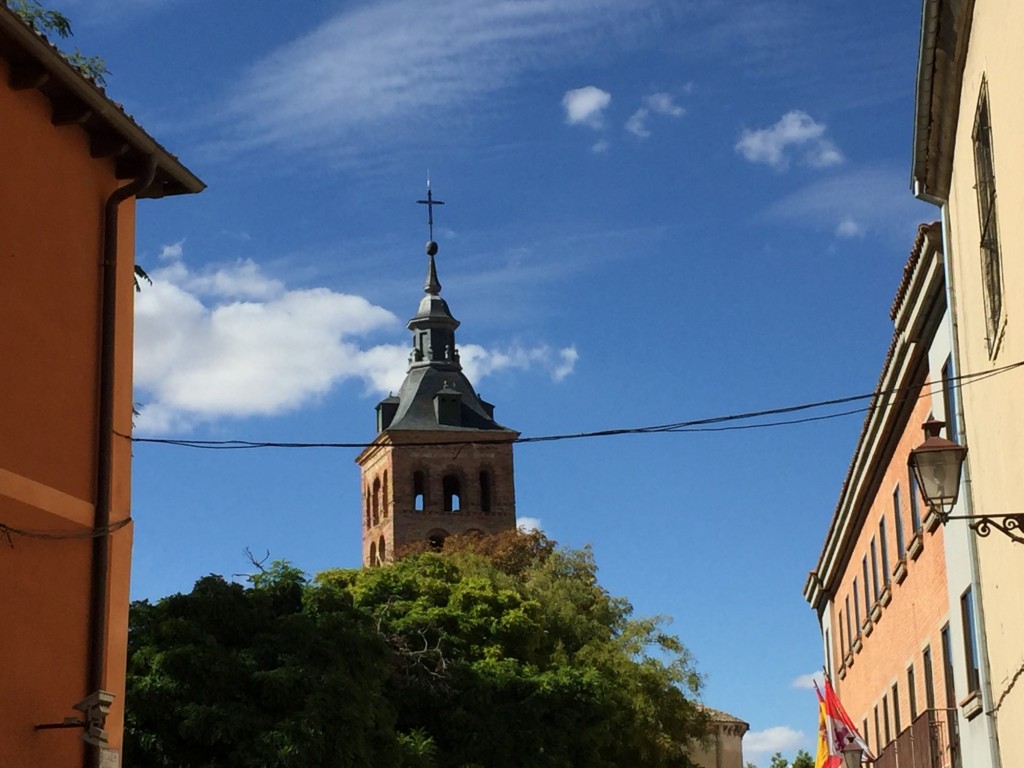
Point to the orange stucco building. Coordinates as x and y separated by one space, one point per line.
72 164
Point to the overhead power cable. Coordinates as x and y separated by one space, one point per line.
722 423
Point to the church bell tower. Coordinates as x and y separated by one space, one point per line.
440 464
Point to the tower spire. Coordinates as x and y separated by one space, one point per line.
411 482
433 285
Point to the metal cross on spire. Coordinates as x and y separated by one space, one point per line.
430 202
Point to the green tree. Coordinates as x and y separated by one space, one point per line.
47 21
256 678
500 652
803 759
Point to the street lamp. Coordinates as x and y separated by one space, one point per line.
853 755
937 465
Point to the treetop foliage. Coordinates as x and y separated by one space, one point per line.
45 21
502 652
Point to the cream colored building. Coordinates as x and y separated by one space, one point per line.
723 747
969 161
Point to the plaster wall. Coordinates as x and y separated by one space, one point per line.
976 733
52 194
993 408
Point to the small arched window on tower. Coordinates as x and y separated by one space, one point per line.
485 491
436 539
366 504
382 550
376 500
419 490
373 554
452 493
384 497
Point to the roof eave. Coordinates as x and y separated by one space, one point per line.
112 132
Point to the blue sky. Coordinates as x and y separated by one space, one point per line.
656 211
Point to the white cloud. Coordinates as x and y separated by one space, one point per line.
171 252
478 362
796 134
586 105
807 681
528 524
780 738
663 104
637 124
379 73
230 341
567 363
848 227
600 147
657 104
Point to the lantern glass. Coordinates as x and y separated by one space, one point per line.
938 474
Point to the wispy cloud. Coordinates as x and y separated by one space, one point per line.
231 341
796 136
528 524
857 202
849 227
654 104
808 681
384 70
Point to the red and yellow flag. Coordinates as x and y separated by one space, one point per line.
835 730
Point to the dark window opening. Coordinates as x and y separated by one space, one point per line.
829 651
384 497
867 588
485 491
452 493
970 646
382 550
912 693
885 719
947 668
436 539
897 725
929 682
884 545
991 260
376 501
373 553
949 390
419 490
915 503
849 631
901 545
874 570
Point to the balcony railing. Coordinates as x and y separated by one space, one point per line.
931 741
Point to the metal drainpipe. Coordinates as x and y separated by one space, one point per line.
105 434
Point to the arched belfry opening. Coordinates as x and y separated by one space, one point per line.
440 464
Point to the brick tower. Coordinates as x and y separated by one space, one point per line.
440 464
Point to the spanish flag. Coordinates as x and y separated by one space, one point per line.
835 730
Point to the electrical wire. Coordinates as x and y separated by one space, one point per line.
708 424
7 531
